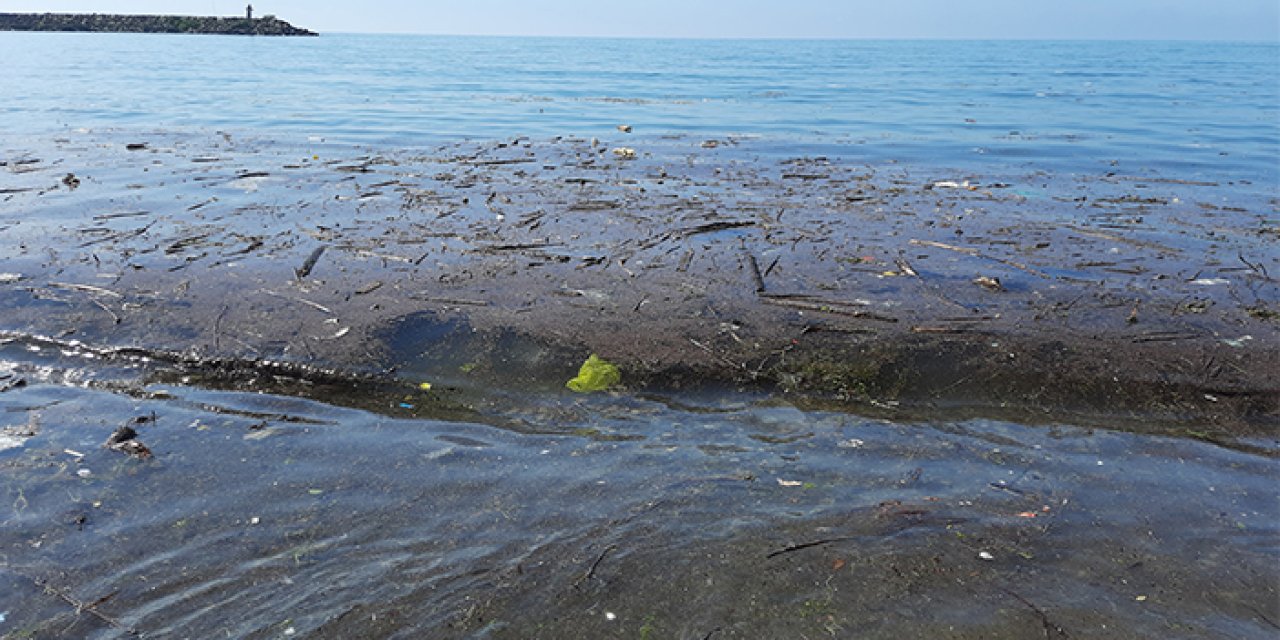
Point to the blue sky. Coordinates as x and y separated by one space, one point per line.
1019 19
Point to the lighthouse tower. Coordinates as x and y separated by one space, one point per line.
248 12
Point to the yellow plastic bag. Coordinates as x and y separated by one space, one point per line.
596 374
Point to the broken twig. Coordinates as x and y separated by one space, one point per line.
309 263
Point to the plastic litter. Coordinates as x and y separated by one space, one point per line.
596 374
989 283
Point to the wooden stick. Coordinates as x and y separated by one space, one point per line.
309 263
969 251
755 273
87 288
837 308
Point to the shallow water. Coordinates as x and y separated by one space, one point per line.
604 515
519 510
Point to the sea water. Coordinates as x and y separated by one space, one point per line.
634 514
1195 109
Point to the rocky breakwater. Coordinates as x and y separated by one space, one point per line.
265 26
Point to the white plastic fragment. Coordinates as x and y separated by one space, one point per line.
985 555
610 616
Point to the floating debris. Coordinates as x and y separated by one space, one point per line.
989 283
596 374
125 441
309 263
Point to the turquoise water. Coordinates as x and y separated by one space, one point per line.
1192 109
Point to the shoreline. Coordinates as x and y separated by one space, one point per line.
833 283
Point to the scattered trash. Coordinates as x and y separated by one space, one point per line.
1141 598
710 144
71 181
625 128
985 555
625 153
9 278
989 283
83 473
951 184
851 443
255 520
1028 514
125 441
610 616
596 374
260 433
136 146
425 386
1237 342
1210 281
790 483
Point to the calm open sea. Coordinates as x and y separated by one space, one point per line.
1190 109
